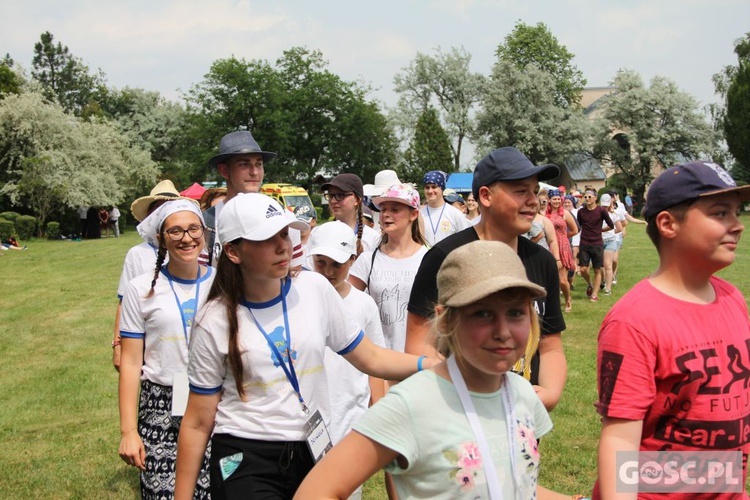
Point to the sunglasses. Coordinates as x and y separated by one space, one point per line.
337 196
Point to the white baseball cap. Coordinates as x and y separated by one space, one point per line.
335 240
254 217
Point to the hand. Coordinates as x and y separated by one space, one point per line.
559 264
132 450
545 396
116 351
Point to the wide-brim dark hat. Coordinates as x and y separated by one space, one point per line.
238 143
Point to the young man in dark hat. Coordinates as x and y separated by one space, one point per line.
241 163
505 185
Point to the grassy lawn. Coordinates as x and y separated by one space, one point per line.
58 392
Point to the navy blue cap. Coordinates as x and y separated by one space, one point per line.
687 182
509 164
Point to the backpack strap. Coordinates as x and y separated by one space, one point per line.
372 265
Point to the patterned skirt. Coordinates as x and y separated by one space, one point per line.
159 430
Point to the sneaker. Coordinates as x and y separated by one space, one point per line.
589 291
601 287
607 291
614 280
594 298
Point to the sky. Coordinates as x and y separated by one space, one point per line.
169 45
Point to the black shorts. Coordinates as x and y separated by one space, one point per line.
593 254
267 469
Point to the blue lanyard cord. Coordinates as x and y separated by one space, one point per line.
437 224
289 371
177 300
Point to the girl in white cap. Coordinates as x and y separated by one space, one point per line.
157 315
332 253
258 386
387 272
468 427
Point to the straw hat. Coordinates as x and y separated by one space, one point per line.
164 190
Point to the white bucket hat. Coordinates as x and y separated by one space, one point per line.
383 180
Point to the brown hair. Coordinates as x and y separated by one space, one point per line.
227 288
360 224
416 232
678 211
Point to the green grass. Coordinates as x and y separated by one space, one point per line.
59 425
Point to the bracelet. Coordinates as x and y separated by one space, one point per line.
419 363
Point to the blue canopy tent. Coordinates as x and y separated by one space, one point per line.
460 181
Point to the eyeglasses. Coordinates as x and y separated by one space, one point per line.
337 196
588 196
177 233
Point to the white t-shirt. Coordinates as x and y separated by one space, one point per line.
621 211
272 411
610 235
442 222
422 419
370 238
390 285
349 388
140 259
575 241
158 320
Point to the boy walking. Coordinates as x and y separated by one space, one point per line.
673 356
592 219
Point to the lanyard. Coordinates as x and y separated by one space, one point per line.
437 224
493 484
289 371
179 305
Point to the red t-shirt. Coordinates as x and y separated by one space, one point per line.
682 368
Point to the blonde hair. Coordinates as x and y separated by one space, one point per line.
445 327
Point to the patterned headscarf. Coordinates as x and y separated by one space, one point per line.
553 192
436 177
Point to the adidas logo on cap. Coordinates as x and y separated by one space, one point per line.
272 212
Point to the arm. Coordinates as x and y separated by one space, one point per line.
570 221
117 348
550 235
357 283
384 363
618 227
418 339
195 432
617 435
553 370
360 457
606 218
131 449
630 218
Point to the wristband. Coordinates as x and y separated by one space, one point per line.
419 363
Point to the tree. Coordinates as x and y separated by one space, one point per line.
445 82
317 122
65 78
429 149
644 127
50 160
519 109
536 45
10 83
733 122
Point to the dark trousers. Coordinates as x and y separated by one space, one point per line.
268 469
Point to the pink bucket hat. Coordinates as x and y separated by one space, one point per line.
400 193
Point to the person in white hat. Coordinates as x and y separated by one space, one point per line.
142 257
332 252
157 315
468 427
258 384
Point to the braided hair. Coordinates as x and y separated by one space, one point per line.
360 226
161 256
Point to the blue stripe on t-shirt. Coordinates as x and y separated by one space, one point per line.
132 335
203 390
353 345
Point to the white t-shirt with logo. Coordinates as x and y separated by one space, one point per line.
158 320
440 223
271 410
390 285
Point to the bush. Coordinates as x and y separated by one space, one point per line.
25 226
11 216
53 230
7 228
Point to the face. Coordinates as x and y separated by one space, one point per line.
333 271
268 259
492 335
433 194
567 204
471 203
709 234
511 205
460 206
589 199
244 173
555 202
345 208
396 218
187 248
543 200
